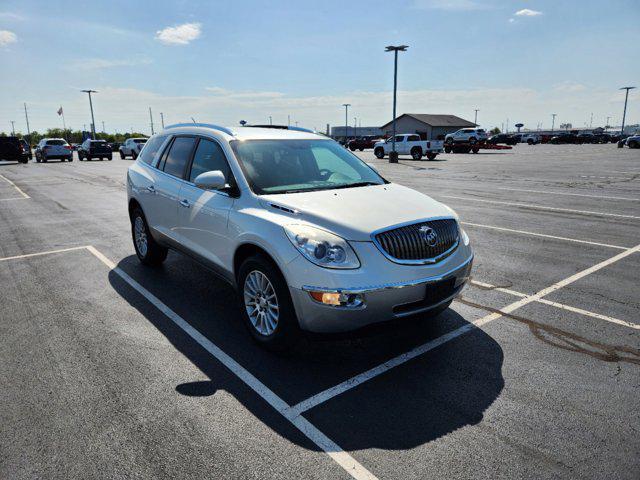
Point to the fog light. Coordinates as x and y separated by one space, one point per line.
338 299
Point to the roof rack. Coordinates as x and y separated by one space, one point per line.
283 127
204 125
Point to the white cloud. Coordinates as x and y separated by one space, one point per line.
7 37
218 91
525 12
569 86
180 34
455 5
511 20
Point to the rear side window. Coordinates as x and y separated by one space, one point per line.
209 156
150 149
178 156
413 138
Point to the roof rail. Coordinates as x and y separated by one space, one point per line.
283 127
204 125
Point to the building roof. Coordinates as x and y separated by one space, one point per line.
436 120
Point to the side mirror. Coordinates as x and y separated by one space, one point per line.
213 180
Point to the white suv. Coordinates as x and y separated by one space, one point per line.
310 236
471 135
131 147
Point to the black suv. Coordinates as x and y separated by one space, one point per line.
12 148
366 141
91 149
502 138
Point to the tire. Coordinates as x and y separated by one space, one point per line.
449 141
134 155
149 252
284 334
416 153
122 155
620 144
431 156
353 149
70 159
44 159
447 149
379 152
24 160
634 144
361 149
530 142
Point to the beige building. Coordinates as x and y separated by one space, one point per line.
428 126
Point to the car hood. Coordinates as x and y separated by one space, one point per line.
354 213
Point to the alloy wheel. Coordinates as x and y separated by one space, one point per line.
140 236
261 303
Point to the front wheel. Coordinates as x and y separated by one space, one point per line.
379 152
431 156
134 155
416 153
149 251
634 144
267 308
530 142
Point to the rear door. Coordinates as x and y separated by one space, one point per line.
162 209
203 214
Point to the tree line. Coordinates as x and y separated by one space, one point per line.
74 136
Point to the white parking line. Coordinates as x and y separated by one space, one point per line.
542 207
562 306
524 232
605 197
24 195
353 382
342 458
49 252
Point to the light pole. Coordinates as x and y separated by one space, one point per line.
606 127
103 130
162 120
553 121
624 112
355 127
393 155
93 122
475 120
346 122
13 127
270 120
26 116
151 120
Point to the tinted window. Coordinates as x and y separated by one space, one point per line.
178 156
150 149
414 138
209 156
140 140
56 142
399 138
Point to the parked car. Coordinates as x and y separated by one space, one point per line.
502 138
564 137
12 149
53 148
470 135
91 149
530 138
585 137
360 143
409 144
131 147
632 142
26 149
310 236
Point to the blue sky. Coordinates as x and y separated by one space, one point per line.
225 61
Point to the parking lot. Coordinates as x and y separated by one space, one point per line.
114 370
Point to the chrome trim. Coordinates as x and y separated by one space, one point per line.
201 125
426 261
389 286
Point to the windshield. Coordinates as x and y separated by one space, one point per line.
140 140
56 142
288 166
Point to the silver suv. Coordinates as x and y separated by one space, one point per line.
311 237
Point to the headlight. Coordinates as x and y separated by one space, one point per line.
465 237
321 247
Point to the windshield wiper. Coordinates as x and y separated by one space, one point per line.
357 184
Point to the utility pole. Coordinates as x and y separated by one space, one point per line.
606 127
93 122
355 127
591 121
162 119
476 117
13 127
26 116
288 120
393 156
507 125
553 121
624 113
346 122
103 129
151 119
270 120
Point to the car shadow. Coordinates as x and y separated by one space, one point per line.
413 404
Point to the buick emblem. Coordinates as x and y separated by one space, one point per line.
429 235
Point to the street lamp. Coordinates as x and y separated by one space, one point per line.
553 121
346 121
270 120
393 155
475 120
93 122
624 113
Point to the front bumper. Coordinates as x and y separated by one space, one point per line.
381 302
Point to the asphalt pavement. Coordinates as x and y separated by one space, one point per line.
113 370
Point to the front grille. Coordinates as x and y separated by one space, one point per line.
406 244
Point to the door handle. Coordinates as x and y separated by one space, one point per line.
185 203
151 188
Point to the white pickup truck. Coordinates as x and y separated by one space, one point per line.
410 144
